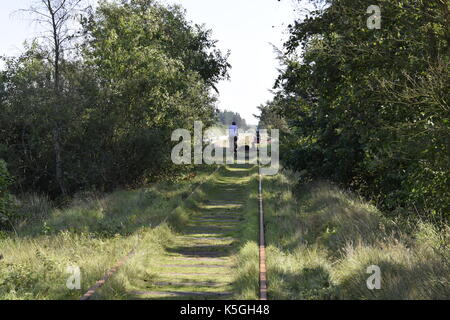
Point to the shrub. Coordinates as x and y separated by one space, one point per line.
6 211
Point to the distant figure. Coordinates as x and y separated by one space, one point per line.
247 152
233 136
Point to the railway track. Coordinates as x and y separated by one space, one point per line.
198 264
262 244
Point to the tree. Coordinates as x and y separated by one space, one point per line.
155 72
57 16
368 108
227 117
117 102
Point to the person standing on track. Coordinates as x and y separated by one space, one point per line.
233 137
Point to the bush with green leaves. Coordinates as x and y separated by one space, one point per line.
142 71
5 197
369 109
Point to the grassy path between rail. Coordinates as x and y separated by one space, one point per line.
212 256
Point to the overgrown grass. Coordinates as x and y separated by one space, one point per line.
92 233
148 270
321 240
246 282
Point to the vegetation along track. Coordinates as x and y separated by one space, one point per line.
204 260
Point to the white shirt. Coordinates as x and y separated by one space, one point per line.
233 131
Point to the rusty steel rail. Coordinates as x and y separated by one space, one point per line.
262 243
91 291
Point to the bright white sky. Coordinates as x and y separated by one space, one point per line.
246 27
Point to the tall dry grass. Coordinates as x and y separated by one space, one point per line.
321 240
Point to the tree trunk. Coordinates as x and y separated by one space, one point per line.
57 107
58 160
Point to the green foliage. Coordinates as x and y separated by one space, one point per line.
141 71
369 109
6 210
